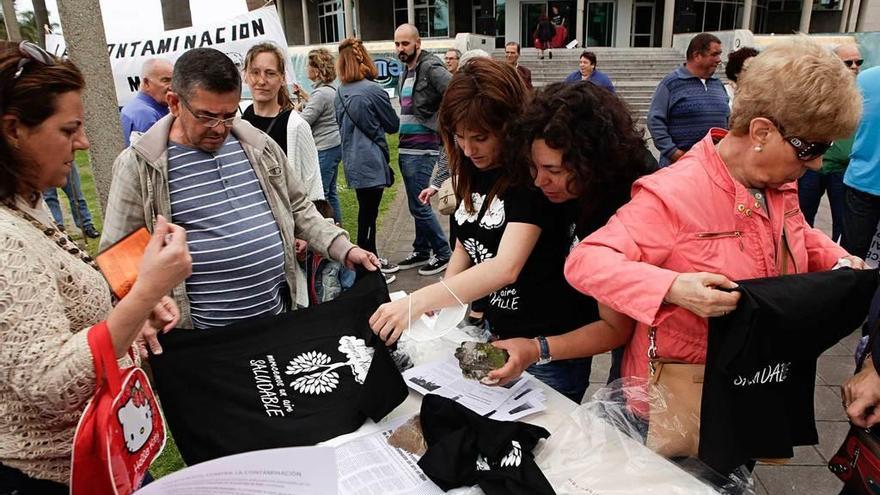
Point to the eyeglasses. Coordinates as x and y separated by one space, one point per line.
31 52
858 62
268 75
208 121
807 151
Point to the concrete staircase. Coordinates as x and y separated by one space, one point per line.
635 72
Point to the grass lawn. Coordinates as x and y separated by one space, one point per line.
170 460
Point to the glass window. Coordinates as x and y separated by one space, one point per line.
716 15
432 17
331 21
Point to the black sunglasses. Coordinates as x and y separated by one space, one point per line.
859 62
807 151
31 52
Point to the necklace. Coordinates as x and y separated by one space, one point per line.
63 240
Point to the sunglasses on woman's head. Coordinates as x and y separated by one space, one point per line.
31 52
807 151
858 62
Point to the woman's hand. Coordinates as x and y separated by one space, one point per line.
855 262
166 261
426 194
391 319
163 318
358 256
300 247
861 397
697 293
523 353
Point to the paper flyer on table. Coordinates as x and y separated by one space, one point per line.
370 466
444 378
292 470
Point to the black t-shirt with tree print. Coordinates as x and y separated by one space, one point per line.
540 302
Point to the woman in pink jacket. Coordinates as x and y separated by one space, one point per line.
728 210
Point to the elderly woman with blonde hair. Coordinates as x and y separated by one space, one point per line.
728 210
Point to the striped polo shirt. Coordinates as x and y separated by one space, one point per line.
236 246
415 138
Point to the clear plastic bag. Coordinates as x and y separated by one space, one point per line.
600 449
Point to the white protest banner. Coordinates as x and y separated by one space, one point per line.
233 37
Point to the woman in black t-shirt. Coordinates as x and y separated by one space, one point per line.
585 155
510 244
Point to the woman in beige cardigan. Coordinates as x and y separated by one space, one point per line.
51 292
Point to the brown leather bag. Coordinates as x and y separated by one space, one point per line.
675 397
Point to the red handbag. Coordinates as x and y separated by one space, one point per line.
121 430
857 462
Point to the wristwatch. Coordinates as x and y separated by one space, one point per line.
544 351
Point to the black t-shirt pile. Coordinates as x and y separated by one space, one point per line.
540 302
465 449
761 362
294 379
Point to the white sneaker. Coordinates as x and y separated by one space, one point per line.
389 278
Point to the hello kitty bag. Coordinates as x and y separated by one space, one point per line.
121 430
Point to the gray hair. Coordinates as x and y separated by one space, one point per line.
207 69
472 54
150 65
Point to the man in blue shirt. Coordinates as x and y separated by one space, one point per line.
689 101
862 178
587 71
148 105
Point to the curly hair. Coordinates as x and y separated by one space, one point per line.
484 95
735 61
354 63
595 132
321 60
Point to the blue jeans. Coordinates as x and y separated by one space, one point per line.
328 160
811 187
72 189
569 377
416 171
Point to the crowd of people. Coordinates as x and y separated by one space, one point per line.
566 239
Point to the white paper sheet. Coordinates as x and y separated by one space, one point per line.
293 471
370 466
444 378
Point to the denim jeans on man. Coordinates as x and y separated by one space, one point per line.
328 160
79 209
416 171
569 377
811 186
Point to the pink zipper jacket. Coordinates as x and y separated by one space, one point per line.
690 217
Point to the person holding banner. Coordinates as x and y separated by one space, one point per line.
51 292
272 112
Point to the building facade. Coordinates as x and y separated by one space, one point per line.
620 23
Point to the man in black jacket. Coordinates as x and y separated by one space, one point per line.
420 88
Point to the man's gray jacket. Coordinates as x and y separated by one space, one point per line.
432 77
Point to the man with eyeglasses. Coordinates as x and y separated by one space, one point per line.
451 58
229 185
814 183
862 177
149 104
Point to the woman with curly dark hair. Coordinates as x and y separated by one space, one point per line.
585 154
511 244
736 60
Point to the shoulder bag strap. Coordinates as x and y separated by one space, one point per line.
356 124
104 357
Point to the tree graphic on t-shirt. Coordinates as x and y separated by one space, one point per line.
326 380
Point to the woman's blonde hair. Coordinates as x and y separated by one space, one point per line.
283 96
322 62
354 63
802 86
